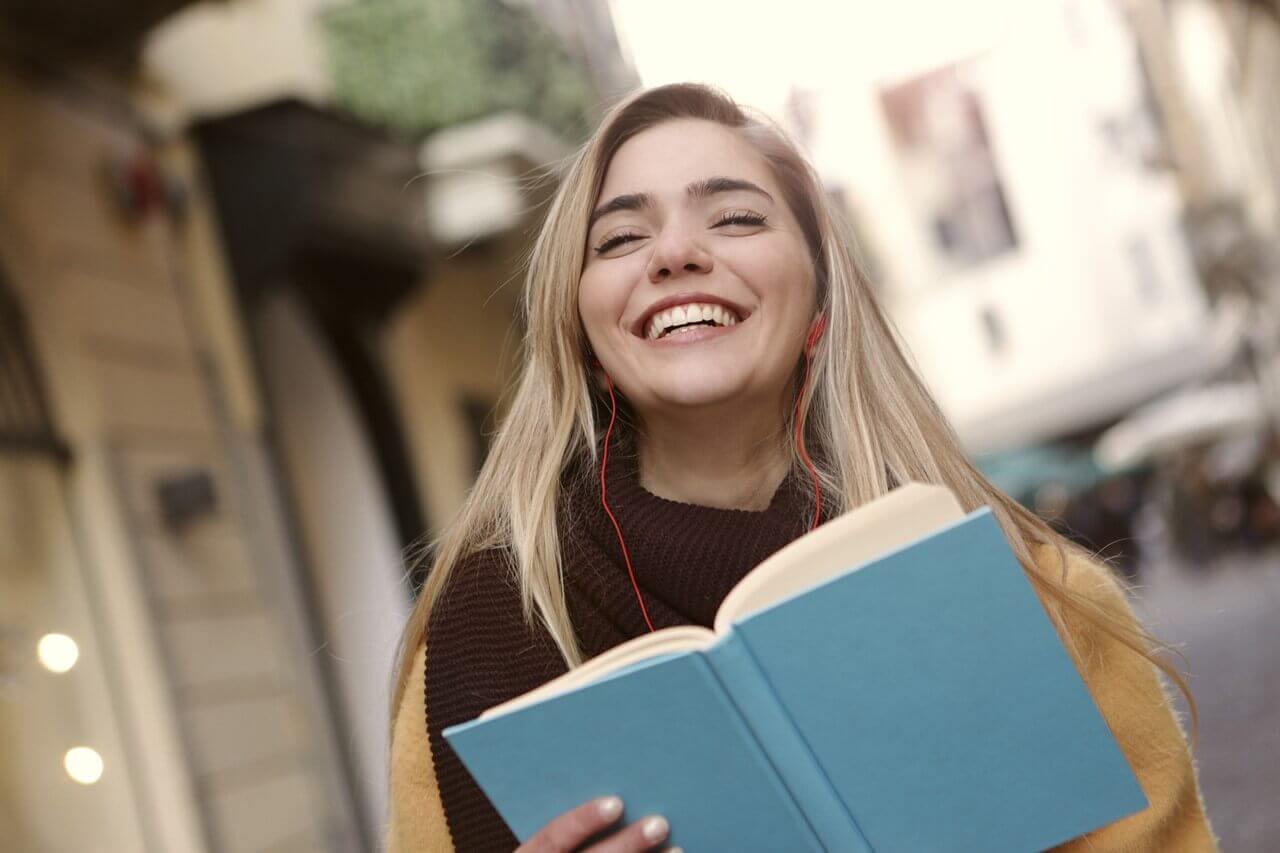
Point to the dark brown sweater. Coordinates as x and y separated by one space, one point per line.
686 559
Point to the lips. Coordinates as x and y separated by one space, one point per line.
732 313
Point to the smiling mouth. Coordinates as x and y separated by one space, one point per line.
684 318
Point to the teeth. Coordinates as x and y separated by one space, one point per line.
681 315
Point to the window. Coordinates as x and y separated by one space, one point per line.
943 149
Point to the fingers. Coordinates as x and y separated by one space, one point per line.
643 834
575 826
571 829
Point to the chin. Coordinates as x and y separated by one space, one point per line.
694 399
695 391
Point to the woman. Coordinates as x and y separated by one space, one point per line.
697 325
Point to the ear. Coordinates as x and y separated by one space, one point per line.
597 372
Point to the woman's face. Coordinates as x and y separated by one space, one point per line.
697 288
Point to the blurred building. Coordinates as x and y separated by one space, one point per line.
1213 67
256 309
1029 228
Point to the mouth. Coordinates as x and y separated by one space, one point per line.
683 316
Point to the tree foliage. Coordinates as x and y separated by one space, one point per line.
417 65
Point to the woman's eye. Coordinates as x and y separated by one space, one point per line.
615 241
741 217
736 217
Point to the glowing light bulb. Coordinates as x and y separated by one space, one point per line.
57 652
83 765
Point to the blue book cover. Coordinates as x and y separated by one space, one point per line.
920 700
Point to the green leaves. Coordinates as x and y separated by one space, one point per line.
413 66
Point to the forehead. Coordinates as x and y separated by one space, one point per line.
667 157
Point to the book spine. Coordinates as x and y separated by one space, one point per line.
746 685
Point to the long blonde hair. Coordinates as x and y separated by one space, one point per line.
865 408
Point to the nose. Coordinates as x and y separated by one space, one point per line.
676 253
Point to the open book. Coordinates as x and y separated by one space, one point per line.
886 682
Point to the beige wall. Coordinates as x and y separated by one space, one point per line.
43 714
89 284
456 338
217 695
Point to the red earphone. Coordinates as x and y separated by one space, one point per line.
815 334
810 344
604 463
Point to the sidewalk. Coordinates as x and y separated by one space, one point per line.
1226 620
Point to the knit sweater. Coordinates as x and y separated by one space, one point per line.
686 559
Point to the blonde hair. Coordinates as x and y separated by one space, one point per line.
865 408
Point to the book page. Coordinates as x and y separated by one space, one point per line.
683 638
899 518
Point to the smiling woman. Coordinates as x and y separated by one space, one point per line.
695 295
696 327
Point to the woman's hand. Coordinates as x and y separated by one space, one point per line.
567 832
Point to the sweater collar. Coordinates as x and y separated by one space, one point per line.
686 556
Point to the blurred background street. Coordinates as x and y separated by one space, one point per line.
259 268
1225 623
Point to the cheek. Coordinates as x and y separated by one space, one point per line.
784 277
598 304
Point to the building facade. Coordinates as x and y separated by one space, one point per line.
245 373
157 543
1030 237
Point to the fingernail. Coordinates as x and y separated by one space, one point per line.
655 829
610 807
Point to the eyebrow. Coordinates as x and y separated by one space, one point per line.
697 190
